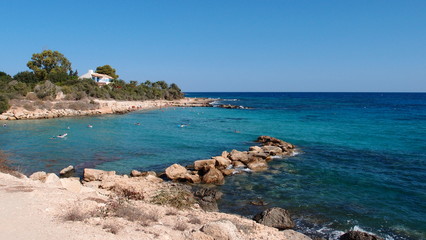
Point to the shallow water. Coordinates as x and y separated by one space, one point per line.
362 162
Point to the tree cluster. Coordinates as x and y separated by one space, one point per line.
51 73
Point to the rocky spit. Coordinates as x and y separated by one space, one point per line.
214 170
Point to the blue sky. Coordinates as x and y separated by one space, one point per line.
219 45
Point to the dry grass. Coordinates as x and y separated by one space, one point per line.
177 197
172 212
112 228
180 226
130 193
74 214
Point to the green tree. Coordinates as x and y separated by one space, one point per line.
26 77
108 70
4 104
48 62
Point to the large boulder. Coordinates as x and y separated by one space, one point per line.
53 180
272 150
271 141
238 164
236 155
204 165
275 217
193 178
221 162
67 172
40 176
71 184
176 171
258 165
90 174
222 230
358 235
214 176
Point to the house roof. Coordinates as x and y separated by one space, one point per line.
101 75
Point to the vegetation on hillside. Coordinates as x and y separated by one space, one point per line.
51 73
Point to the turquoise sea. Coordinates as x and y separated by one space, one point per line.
362 160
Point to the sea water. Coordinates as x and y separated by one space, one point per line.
361 161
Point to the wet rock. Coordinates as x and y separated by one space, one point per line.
207 198
258 165
214 176
271 141
90 174
272 150
227 172
275 217
238 164
40 176
67 172
176 171
239 156
204 165
221 162
193 178
222 229
255 149
358 235
135 173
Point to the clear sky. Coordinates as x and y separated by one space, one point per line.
218 45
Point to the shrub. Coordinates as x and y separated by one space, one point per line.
74 214
180 226
194 220
177 197
112 228
46 90
31 96
4 104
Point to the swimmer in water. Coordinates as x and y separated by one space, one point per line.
62 135
4 125
89 126
138 124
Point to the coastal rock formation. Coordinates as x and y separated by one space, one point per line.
222 229
67 172
212 171
95 174
176 171
40 176
275 217
207 198
229 106
358 235
214 176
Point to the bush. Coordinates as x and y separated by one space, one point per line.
4 104
46 90
74 214
177 197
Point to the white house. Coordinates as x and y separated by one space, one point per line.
101 79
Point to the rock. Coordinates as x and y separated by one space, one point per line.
255 149
253 154
272 150
67 172
291 234
271 141
52 179
221 162
227 172
258 165
204 165
193 178
207 198
239 156
135 173
90 174
225 154
40 176
358 235
200 236
275 217
238 164
71 184
214 176
153 178
221 230
176 171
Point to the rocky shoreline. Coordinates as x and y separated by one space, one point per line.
149 190
27 109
